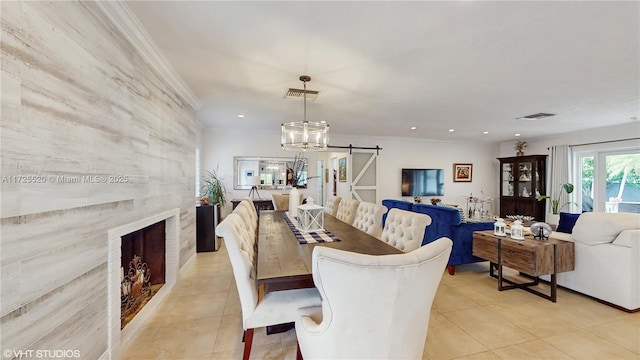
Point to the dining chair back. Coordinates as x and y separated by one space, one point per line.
277 307
280 202
247 212
331 206
253 206
394 203
405 229
347 210
369 218
373 307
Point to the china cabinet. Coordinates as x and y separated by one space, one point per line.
522 180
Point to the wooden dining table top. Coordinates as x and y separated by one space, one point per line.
283 263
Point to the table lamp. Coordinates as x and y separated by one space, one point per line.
254 181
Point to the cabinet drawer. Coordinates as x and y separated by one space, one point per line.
519 257
485 247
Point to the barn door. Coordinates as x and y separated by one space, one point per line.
363 175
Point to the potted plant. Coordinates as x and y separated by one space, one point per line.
555 203
519 146
213 188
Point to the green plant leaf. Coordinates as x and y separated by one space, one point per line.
568 188
212 185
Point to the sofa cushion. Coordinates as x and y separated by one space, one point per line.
463 218
594 228
561 236
567 221
627 238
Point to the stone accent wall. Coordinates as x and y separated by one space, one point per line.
92 137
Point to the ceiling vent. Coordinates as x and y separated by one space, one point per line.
299 94
535 116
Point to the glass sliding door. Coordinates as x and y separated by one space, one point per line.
587 194
622 182
609 180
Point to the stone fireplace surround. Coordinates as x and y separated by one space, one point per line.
119 338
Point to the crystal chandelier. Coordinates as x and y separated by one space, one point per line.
305 135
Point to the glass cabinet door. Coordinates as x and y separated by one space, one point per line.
525 170
508 176
538 179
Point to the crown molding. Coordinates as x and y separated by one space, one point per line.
122 17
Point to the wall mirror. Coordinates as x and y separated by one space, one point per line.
269 173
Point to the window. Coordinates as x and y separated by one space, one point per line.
609 177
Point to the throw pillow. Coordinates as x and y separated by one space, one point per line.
567 221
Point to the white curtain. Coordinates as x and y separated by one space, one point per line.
559 172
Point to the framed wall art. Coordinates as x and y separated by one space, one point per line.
342 169
462 172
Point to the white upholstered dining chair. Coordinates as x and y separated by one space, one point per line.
404 229
373 307
331 206
280 202
369 218
276 307
347 210
247 212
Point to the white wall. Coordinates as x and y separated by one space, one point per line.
219 148
538 146
78 99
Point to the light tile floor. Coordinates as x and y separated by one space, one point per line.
470 319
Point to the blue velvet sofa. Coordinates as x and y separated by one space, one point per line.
446 221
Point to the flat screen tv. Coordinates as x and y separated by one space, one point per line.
422 182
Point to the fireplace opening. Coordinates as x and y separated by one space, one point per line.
142 271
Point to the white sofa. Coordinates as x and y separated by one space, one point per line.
607 258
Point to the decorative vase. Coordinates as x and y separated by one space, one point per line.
553 219
294 201
519 153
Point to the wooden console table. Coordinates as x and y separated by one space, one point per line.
261 204
530 256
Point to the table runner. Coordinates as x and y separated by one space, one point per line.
310 237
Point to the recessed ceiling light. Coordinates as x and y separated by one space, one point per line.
240 116
413 128
486 132
517 135
452 130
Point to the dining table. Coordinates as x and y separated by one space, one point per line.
283 263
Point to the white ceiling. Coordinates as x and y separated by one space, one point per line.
382 67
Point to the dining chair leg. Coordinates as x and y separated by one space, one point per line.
248 340
298 352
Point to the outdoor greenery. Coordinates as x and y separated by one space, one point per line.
213 187
621 169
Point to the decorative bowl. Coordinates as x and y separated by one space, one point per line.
523 218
